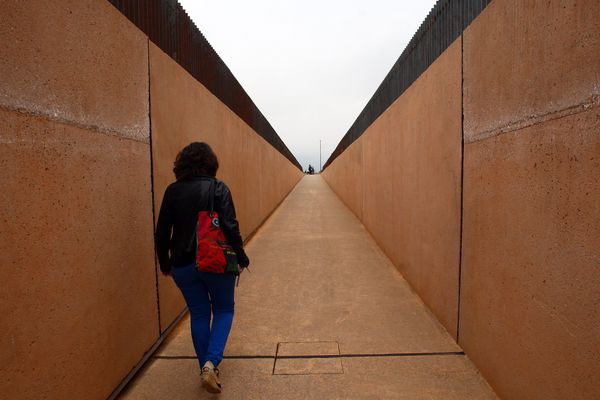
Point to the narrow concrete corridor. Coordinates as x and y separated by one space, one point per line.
323 314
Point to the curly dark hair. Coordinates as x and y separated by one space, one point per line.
196 158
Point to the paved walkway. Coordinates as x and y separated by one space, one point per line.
323 315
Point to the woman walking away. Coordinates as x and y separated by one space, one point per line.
196 189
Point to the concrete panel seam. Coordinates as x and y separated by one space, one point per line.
342 199
147 356
152 188
446 21
341 355
65 121
162 336
219 100
166 24
462 178
592 102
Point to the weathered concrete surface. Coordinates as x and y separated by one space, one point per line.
76 61
528 315
78 299
531 274
79 307
318 277
348 181
308 366
76 250
308 348
524 60
184 111
409 378
403 177
531 244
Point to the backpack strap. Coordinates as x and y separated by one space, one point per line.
211 194
211 204
211 198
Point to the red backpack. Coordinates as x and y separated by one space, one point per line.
213 252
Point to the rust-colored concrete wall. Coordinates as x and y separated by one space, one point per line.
78 308
530 274
81 62
76 208
347 181
531 267
184 111
402 178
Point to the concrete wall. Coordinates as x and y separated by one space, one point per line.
531 247
78 308
529 279
183 111
76 209
402 178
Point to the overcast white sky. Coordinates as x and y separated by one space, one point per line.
310 66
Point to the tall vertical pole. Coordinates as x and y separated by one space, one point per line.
320 166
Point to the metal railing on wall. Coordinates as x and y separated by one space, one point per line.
445 23
167 25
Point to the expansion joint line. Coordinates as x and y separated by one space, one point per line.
152 188
62 120
536 119
310 356
462 180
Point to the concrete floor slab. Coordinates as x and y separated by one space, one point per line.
308 366
308 349
317 276
179 341
410 378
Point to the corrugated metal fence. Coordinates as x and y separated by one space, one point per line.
169 27
444 24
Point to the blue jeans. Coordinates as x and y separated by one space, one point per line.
203 293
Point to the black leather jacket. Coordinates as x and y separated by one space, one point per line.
175 229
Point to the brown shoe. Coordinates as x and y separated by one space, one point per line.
210 380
